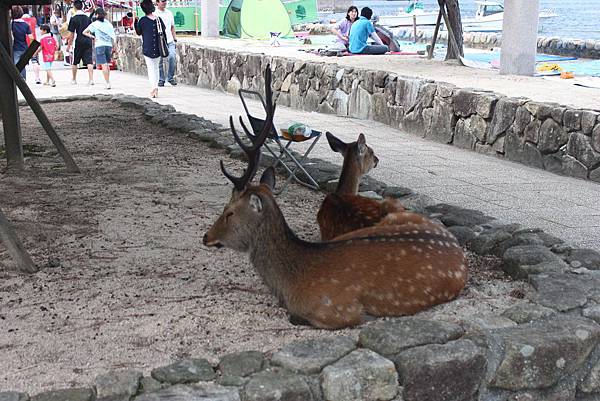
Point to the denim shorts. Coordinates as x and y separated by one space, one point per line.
103 54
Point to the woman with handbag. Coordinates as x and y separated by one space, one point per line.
154 42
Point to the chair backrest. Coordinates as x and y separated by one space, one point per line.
255 122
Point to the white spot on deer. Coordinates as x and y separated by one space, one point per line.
421 240
432 298
388 257
396 303
326 300
419 276
415 231
403 252
411 289
429 267
427 232
441 274
390 296
427 290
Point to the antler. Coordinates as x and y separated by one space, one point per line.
253 152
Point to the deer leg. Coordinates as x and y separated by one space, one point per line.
298 321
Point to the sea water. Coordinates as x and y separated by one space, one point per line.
576 19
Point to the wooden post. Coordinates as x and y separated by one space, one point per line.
451 37
435 34
24 60
415 27
8 100
13 73
15 247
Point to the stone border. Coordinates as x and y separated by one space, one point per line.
548 349
543 135
548 45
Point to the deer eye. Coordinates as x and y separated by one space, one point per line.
228 215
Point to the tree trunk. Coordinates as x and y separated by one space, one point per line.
453 10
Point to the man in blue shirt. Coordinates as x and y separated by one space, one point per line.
360 32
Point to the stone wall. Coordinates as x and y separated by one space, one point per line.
544 349
547 45
544 135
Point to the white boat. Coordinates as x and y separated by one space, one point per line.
489 16
408 16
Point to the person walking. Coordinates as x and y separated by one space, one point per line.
342 29
83 45
361 30
35 62
105 41
47 47
20 31
55 24
167 18
147 27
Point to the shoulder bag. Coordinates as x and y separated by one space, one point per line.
163 47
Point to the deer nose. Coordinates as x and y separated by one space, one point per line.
376 161
205 239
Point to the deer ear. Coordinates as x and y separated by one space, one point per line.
256 203
362 145
268 178
335 144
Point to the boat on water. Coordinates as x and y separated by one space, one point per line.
489 17
413 13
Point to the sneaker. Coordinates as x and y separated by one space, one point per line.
38 81
73 82
161 84
90 83
53 83
46 83
107 86
173 82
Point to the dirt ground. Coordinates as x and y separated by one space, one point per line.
125 281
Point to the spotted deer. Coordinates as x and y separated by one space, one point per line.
344 210
385 270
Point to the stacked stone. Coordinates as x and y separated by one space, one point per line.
547 45
545 135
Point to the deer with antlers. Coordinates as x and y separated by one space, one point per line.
385 270
344 210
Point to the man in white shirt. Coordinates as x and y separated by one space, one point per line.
167 17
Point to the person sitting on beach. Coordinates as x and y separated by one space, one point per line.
360 32
342 29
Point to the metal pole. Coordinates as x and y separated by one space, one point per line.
8 100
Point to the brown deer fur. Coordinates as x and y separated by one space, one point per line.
386 270
345 210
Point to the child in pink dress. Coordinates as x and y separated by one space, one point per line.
48 47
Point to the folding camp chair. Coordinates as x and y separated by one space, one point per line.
284 140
